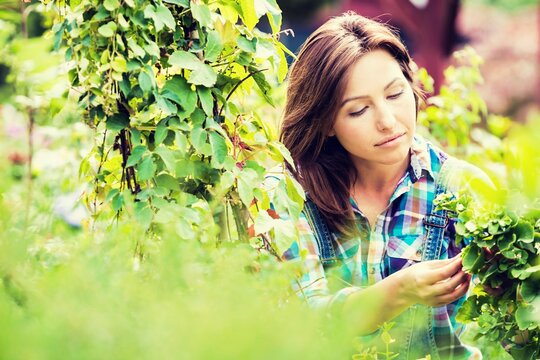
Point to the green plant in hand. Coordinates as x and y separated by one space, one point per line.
504 254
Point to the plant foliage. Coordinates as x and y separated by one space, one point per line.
167 86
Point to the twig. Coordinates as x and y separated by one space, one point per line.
236 87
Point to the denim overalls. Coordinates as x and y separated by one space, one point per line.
412 329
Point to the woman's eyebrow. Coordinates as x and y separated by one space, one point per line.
366 96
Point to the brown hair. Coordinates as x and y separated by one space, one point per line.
317 80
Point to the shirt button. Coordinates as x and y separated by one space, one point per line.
418 252
372 270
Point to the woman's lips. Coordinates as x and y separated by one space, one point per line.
392 140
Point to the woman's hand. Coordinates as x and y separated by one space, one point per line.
435 282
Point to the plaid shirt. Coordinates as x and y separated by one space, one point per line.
393 244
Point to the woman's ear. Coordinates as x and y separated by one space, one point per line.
331 133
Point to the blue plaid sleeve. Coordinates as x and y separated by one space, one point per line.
310 282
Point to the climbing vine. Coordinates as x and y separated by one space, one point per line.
168 87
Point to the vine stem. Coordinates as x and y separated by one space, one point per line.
125 150
236 87
237 211
96 179
267 242
227 219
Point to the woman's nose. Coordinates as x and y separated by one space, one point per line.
385 118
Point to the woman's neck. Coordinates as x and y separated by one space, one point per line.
378 178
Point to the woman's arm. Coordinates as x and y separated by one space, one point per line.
432 283
310 282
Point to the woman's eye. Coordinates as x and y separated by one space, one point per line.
395 96
359 112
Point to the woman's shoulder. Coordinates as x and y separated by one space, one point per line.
460 174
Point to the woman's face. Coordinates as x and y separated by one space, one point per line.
376 120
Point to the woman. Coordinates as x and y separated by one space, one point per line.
349 124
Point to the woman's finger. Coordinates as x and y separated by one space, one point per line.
446 287
453 296
446 271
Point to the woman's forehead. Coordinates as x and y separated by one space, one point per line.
373 71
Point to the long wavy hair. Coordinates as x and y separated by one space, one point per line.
316 83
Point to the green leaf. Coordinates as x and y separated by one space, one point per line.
230 11
151 48
264 86
167 181
507 241
107 30
214 46
530 290
184 229
525 317
226 181
146 168
472 258
181 141
201 74
470 226
205 75
524 232
184 60
248 179
143 213
58 30
279 149
136 155
112 194
263 222
135 48
244 58
165 105
274 15
145 81
150 13
117 202
207 101
246 45
168 158
198 139
249 15
202 14
183 3
178 90
117 122
219 149
160 133
285 233
124 25
386 338
111 5
469 311
166 17
119 64
184 168
295 191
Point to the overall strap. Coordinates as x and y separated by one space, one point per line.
437 220
322 233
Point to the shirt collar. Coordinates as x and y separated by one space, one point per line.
420 162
